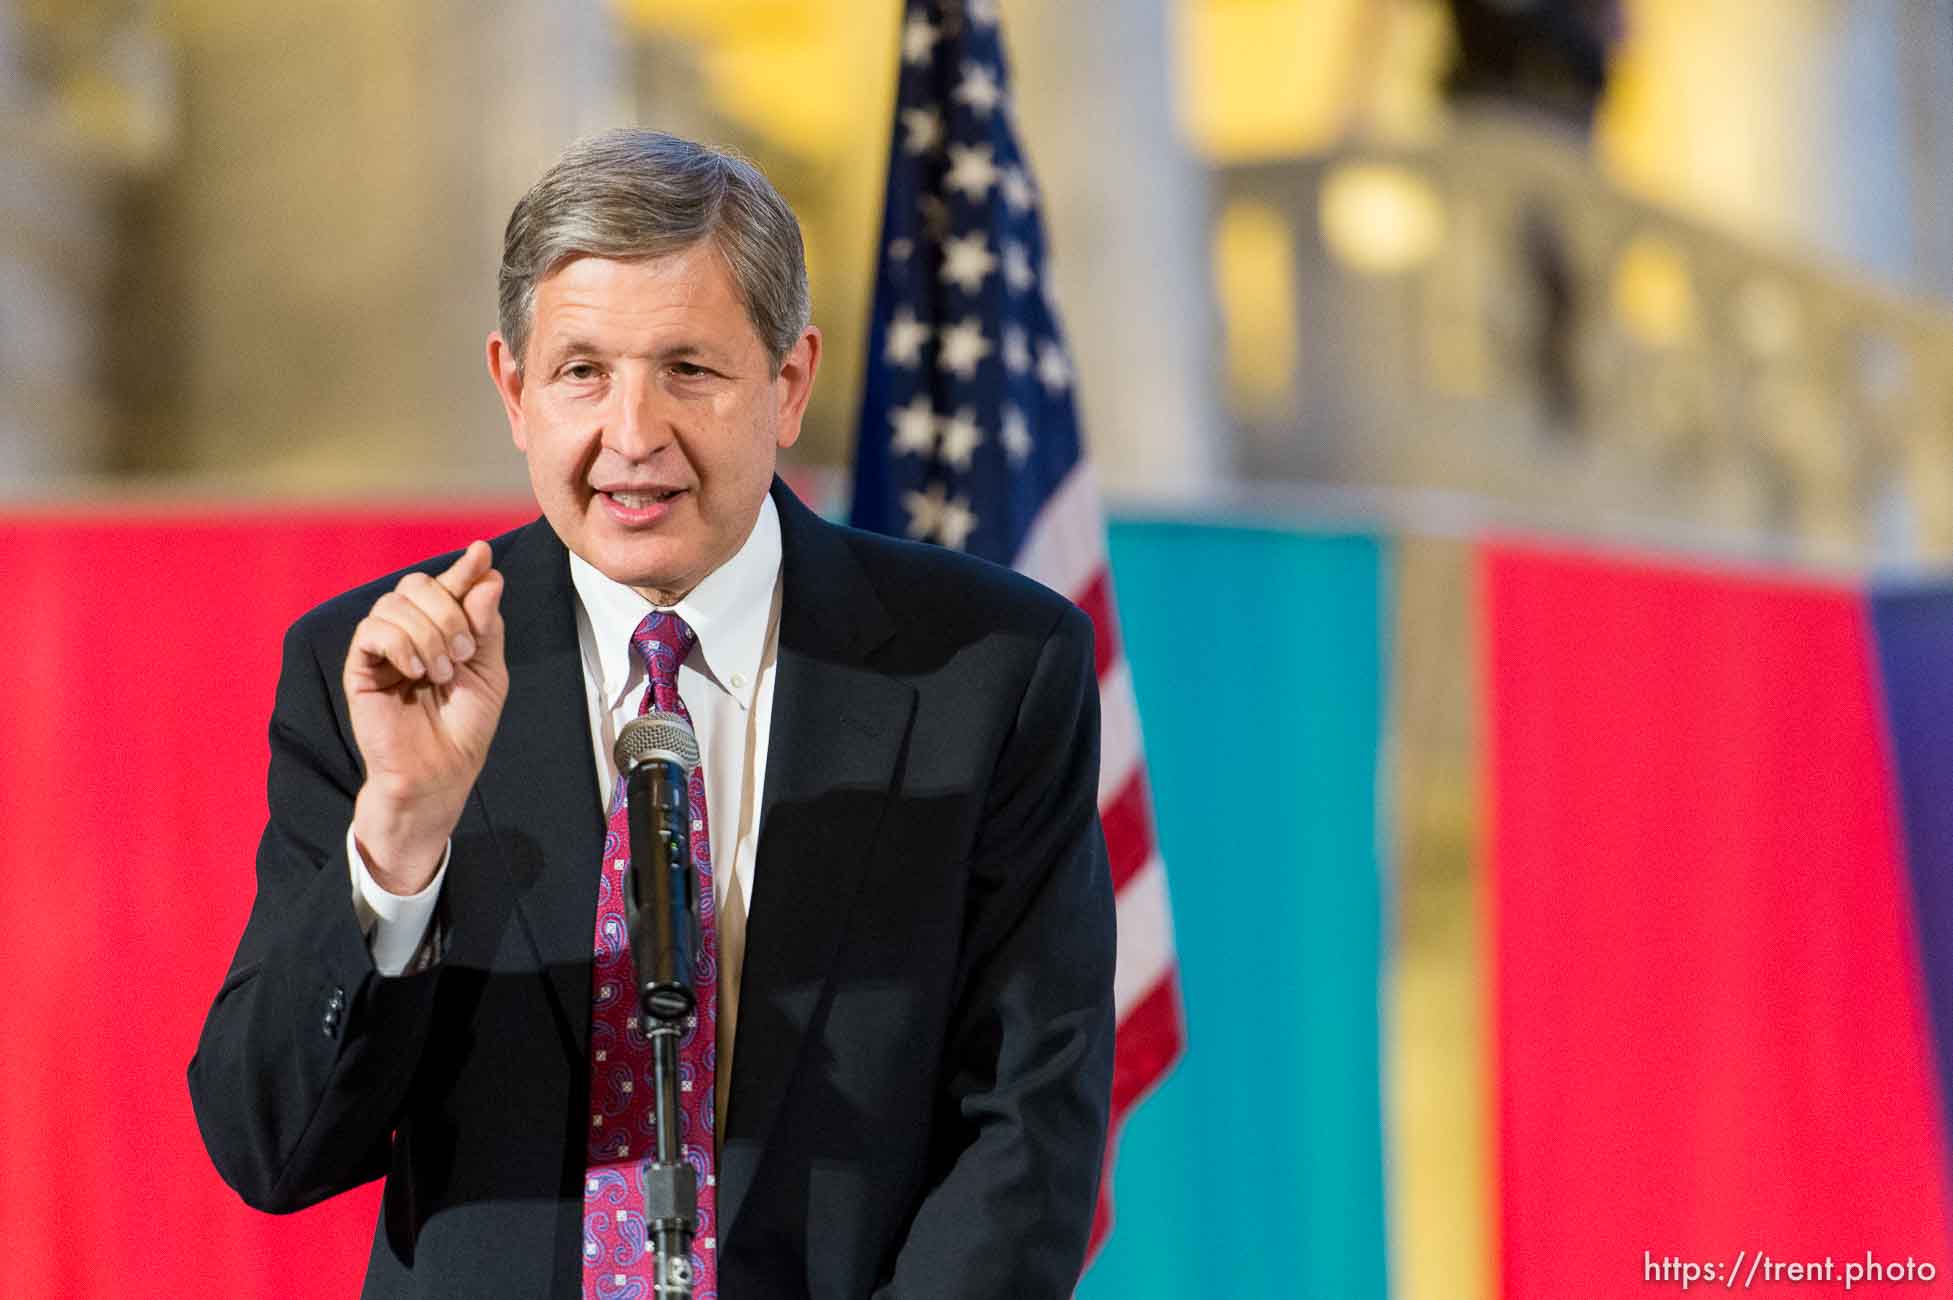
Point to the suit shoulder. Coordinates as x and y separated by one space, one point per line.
918 580
332 621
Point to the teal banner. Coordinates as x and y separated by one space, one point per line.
1258 657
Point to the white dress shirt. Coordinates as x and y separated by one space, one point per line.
726 683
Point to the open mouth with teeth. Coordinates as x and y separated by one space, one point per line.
643 500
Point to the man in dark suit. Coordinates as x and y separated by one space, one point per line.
901 765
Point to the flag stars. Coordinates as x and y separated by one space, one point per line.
1053 370
936 516
981 13
971 170
925 130
915 427
1017 267
919 39
900 250
960 437
1016 435
1016 189
1017 350
979 88
963 346
956 525
906 335
967 261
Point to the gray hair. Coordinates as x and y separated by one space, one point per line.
632 193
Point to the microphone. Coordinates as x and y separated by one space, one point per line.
656 752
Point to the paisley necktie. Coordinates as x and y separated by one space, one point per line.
623 1103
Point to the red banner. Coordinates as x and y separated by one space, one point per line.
1711 1036
141 655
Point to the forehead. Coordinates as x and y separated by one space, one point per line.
624 299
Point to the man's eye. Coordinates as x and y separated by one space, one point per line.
688 369
580 371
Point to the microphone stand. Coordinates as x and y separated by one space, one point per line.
660 829
670 1184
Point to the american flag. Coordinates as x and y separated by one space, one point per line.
969 438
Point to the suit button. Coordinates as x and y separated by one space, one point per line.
337 1000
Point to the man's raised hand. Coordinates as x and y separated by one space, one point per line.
425 681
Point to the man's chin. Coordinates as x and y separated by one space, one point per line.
659 585
631 565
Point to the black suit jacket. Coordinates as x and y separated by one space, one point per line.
923 1063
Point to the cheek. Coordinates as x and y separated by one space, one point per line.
560 450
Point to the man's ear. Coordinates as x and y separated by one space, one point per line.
505 371
795 384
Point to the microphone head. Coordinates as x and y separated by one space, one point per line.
654 736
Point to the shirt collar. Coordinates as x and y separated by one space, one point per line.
729 610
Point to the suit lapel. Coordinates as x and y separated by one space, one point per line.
538 789
838 731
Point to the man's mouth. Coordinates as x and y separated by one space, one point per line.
643 500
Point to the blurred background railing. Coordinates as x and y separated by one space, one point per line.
1492 318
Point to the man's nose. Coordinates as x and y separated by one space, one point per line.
638 424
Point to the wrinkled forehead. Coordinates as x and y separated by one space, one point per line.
684 300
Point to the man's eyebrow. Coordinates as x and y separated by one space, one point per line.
557 351
685 349
571 346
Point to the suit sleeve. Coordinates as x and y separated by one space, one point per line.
307 1053
1029 1068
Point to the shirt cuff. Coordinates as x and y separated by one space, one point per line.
395 924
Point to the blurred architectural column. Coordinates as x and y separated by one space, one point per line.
1783 119
86 110
56 263
325 255
1121 192
1926 80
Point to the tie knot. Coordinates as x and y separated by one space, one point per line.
663 640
